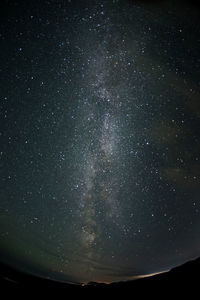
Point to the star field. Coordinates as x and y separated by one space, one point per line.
99 136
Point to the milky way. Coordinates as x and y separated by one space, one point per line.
99 138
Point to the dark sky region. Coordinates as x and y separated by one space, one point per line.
99 137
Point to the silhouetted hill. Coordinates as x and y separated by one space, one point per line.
184 278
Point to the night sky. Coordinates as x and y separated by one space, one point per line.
99 137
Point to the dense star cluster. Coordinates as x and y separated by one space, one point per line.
99 135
